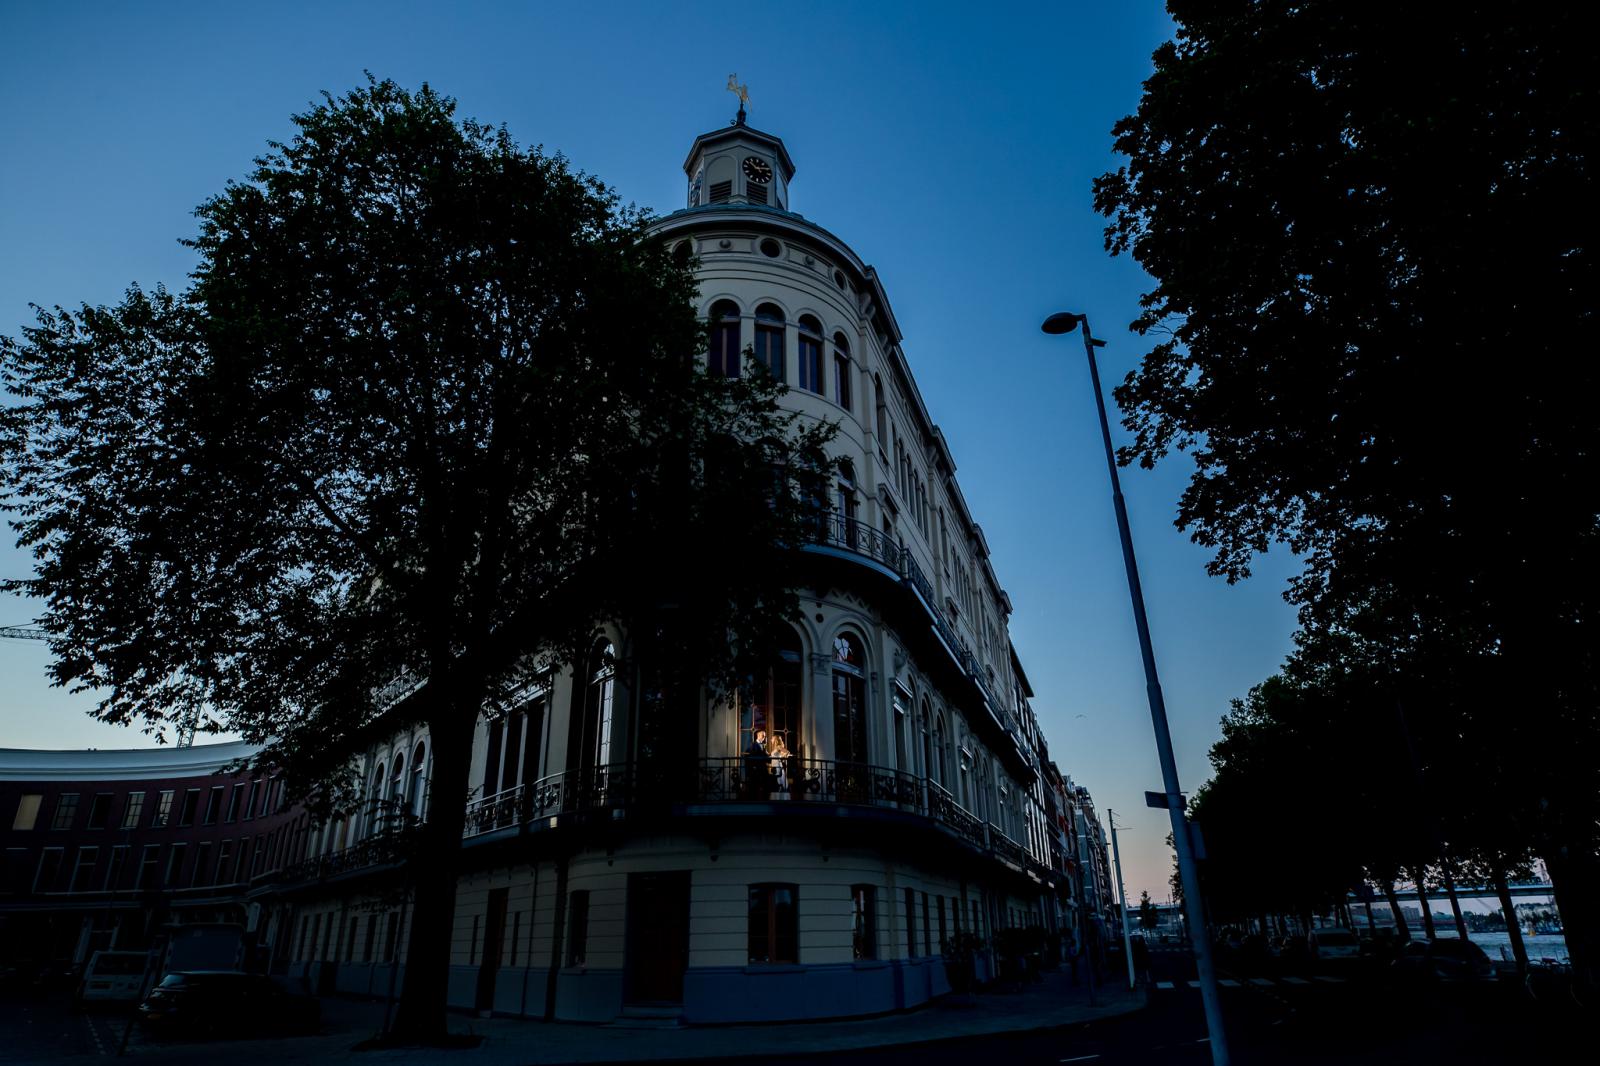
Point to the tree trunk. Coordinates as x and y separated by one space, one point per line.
1455 904
1424 905
1401 927
423 997
1518 948
1575 881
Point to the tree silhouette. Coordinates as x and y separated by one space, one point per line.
1374 262
431 408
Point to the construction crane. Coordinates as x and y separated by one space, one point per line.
185 724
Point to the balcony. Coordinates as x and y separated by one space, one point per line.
836 533
732 785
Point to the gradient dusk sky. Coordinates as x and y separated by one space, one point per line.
952 145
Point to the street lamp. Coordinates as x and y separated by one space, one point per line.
1065 322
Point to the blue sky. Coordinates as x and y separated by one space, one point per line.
952 145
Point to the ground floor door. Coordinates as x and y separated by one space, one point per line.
494 933
658 936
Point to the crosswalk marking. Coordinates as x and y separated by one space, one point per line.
1228 982
1262 981
1194 984
1164 984
1295 981
1330 980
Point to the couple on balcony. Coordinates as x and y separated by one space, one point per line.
767 765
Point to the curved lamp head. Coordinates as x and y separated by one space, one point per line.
1061 322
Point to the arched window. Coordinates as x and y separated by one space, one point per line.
810 354
725 356
769 339
375 805
938 768
419 782
590 744
841 371
774 701
849 700
882 412
397 783
927 740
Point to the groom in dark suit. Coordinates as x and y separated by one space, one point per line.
757 767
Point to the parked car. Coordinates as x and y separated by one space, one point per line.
224 1001
1443 960
112 977
1329 944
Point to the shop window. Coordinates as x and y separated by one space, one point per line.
911 923
774 924
577 927
863 928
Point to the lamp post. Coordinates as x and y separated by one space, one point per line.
1122 897
1065 322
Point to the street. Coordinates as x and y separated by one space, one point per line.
1329 1016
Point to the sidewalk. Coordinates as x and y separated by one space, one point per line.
516 1042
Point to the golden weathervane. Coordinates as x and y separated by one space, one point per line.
741 91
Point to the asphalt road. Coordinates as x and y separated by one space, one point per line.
1346 1016
1337 1016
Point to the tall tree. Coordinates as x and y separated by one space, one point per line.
1375 261
431 407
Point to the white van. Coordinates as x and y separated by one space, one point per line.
113 977
1335 943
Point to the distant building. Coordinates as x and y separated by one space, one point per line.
104 849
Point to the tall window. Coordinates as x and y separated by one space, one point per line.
774 924
577 927
590 745
419 783
725 355
774 703
100 810
911 923
937 767
163 809
863 931
841 371
397 784
882 412
849 700
67 810
769 339
811 354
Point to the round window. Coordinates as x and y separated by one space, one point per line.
838 278
771 249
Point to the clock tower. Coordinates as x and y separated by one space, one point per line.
738 165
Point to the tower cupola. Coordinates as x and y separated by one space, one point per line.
738 164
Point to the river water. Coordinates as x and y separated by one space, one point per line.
1545 946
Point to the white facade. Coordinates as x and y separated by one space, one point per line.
827 883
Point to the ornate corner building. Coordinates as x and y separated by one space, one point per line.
882 797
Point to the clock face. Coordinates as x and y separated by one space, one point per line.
757 170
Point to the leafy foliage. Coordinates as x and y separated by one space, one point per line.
430 409
1375 265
